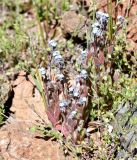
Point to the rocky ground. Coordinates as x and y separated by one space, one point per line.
18 142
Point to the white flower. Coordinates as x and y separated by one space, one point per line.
60 77
97 32
110 128
71 89
76 93
63 104
102 17
57 57
97 29
52 43
72 114
42 70
82 100
58 60
83 55
96 25
56 53
83 52
121 19
83 74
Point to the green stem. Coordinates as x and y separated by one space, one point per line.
39 78
42 93
94 10
110 27
47 16
40 26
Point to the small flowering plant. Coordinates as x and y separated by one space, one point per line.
67 92
80 86
67 97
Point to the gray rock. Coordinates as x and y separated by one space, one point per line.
5 91
123 109
125 125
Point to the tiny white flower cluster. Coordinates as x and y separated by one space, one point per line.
102 18
71 89
52 44
82 100
97 31
83 74
76 93
82 57
57 59
121 20
56 54
100 25
60 77
63 105
73 114
42 70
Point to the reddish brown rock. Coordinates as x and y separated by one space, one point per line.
133 10
132 34
74 24
17 142
27 103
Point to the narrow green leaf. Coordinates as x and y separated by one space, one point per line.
37 83
110 25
